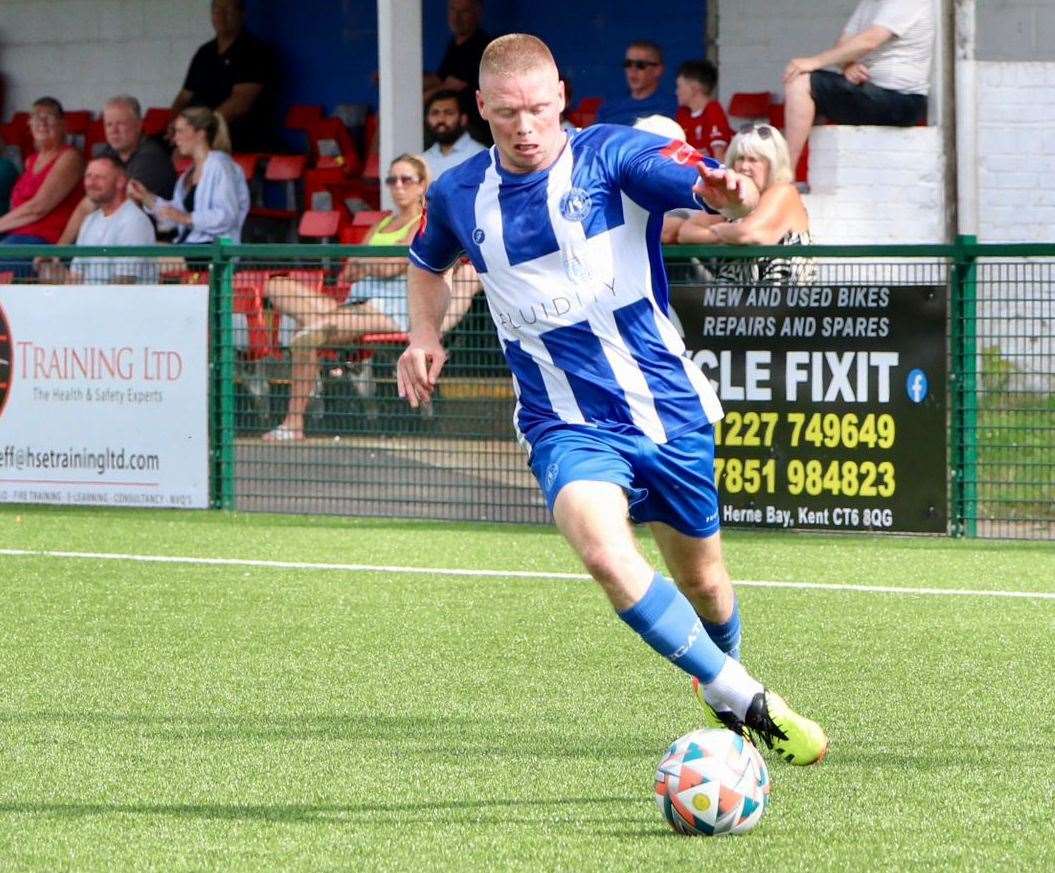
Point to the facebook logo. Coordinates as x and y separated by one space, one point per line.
917 386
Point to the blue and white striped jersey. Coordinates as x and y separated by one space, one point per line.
571 263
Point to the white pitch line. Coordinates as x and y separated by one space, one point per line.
492 574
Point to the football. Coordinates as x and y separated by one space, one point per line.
712 782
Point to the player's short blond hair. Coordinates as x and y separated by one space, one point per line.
515 53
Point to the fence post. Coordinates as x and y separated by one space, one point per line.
964 431
222 411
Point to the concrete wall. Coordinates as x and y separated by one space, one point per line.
82 51
1015 30
1016 152
757 38
876 185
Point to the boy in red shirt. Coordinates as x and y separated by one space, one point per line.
702 117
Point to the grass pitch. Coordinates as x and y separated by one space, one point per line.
184 716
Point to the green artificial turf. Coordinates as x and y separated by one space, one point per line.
190 717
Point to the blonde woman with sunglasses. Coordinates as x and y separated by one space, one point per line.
760 153
376 300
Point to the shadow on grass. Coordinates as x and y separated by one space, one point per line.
569 810
441 736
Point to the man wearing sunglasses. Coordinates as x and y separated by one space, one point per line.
643 63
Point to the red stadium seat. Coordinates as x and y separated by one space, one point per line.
322 226
247 161
94 139
332 146
362 221
590 105
750 105
301 116
249 301
287 170
156 121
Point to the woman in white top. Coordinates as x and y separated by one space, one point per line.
211 199
759 152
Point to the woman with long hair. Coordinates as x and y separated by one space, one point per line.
211 198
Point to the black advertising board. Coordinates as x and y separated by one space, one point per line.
834 399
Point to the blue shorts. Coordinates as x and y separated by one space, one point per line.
672 483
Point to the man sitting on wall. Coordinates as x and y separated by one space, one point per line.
883 58
115 221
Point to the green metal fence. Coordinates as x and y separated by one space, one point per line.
361 451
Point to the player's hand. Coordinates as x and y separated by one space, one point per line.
856 73
418 370
799 67
723 189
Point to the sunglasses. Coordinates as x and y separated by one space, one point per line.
639 65
403 180
764 131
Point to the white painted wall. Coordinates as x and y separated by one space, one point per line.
83 51
757 38
1016 152
876 185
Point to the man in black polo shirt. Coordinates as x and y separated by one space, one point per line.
459 71
232 75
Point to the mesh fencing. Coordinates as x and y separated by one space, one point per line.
305 415
1008 431
318 425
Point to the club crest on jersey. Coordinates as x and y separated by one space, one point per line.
578 270
478 235
575 204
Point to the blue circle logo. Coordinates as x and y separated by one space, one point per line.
917 386
575 204
478 235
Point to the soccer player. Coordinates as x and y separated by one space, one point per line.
563 230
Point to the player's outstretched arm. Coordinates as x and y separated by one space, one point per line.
727 191
418 370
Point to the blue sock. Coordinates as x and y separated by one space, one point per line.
667 622
726 635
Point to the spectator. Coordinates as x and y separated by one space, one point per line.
644 71
211 199
115 221
143 159
377 294
8 177
447 124
760 153
49 188
459 71
232 75
884 58
700 115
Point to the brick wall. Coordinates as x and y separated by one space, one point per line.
82 51
757 38
876 185
1016 152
